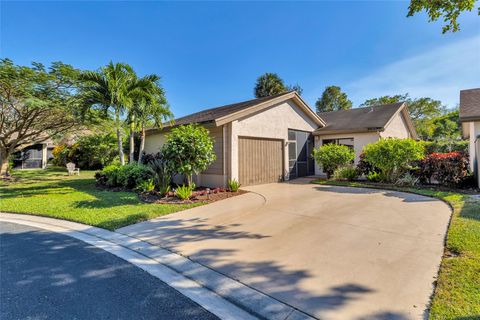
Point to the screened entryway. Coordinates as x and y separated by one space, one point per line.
300 148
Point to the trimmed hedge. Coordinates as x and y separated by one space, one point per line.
128 177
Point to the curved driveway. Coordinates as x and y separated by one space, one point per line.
332 252
46 275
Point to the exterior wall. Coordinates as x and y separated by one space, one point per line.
44 156
272 123
214 176
474 148
359 141
396 128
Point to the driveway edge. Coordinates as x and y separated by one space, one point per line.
215 292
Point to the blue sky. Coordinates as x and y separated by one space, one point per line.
210 53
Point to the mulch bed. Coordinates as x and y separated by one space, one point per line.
200 195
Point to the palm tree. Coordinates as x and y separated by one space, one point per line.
149 107
110 89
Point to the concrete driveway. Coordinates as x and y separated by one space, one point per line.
332 252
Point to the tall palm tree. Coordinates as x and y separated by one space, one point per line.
110 89
149 106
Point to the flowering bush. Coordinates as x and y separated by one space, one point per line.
447 168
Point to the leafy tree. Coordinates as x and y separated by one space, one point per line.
269 84
450 10
189 150
385 100
35 104
393 155
333 99
333 156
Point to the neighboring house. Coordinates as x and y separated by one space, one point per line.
34 157
271 139
470 119
360 126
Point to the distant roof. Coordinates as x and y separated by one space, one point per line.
470 105
223 114
365 119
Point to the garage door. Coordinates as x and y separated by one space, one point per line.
259 160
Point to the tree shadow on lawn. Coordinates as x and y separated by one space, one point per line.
97 198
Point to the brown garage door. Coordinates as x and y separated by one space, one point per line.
259 160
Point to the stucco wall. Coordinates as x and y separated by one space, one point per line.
359 141
271 123
154 142
396 128
474 151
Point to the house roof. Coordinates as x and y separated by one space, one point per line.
227 113
470 105
367 119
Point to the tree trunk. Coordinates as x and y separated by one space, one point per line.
4 156
142 145
131 154
119 138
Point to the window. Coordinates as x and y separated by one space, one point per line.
341 141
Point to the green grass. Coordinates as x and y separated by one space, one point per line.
53 193
457 294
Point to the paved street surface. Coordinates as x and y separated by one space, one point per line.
44 275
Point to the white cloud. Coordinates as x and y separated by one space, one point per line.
439 73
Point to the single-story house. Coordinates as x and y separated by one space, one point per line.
271 139
470 119
35 156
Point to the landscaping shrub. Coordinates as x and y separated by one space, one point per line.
184 192
233 185
445 146
373 176
128 177
89 152
449 169
364 168
146 186
162 174
393 156
407 180
348 173
332 156
188 150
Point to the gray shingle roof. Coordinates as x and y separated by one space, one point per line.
210 115
470 104
359 119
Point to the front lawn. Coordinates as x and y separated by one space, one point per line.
457 294
54 194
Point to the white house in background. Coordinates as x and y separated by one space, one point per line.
35 156
271 139
470 119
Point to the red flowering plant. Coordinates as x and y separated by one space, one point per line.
447 168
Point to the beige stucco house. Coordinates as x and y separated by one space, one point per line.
35 156
271 139
470 119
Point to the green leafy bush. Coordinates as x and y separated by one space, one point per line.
188 150
146 186
348 173
89 152
393 156
449 169
162 174
332 156
233 185
184 192
127 177
444 146
373 176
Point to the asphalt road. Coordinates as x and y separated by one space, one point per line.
44 275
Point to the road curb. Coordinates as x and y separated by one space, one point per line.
217 293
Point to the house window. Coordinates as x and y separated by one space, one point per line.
342 141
